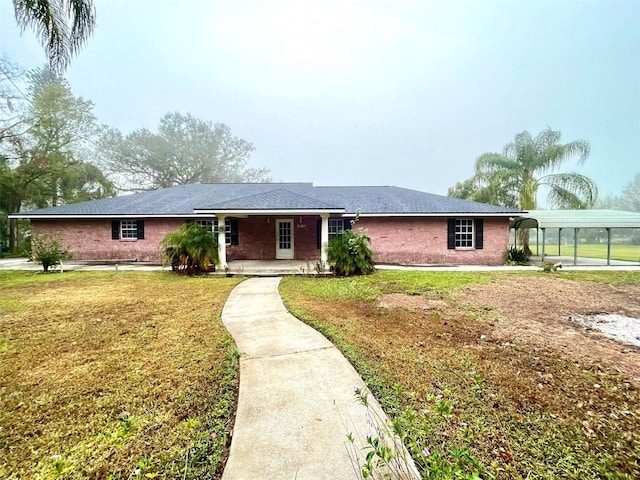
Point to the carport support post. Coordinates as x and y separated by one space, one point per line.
544 240
559 240
608 246
575 246
324 238
222 241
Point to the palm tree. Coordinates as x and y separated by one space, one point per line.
527 163
62 25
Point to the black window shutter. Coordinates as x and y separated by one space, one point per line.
115 229
479 233
140 229
319 233
233 226
451 234
347 224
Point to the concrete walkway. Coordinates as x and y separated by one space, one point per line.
298 267
296 403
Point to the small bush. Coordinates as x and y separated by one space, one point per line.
516 256
349 254
191 249
47 250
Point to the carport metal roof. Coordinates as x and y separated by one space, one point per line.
577 219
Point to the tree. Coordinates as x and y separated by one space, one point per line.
45 166
628 200
527 163
52 154
63 26
13 119
472 189
185 150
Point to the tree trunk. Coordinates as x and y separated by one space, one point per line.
523 238
13 234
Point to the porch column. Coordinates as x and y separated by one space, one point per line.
324 238
222 241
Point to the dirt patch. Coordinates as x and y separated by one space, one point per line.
537 312
412 302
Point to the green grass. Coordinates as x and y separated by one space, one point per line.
114 375
627 253
368 288
500 411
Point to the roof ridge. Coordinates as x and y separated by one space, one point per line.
267 193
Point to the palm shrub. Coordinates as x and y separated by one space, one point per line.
349 254
47 250
191 249
516 256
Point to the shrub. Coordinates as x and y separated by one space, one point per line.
516 256
191 249
47 250
349 254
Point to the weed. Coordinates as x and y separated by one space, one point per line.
444 408
478 386
385 455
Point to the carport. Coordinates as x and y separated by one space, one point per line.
542 220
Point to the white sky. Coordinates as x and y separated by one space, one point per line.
369 92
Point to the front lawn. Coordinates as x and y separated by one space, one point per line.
623 252
486 371
114 375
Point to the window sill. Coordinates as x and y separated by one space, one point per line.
128 239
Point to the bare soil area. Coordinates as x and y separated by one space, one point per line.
537 312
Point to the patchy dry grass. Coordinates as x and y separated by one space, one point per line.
114 375
508 409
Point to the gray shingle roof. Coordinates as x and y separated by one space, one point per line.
279 199
183 200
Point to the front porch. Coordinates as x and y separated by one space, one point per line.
273 225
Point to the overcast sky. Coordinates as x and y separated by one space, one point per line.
371 92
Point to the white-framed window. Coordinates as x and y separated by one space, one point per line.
129 229
336 227
464 233
208 224
213 226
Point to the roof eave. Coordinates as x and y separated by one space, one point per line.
436 214
44 216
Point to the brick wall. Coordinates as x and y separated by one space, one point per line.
394 240
91 239
424 241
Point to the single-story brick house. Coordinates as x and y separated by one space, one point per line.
270 221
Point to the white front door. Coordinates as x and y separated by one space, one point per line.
284 239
